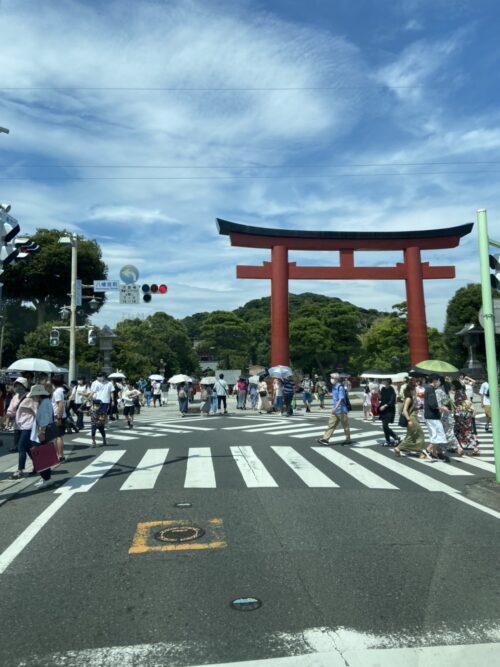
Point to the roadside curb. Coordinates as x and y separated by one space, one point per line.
486 491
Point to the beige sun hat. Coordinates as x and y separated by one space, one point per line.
21 380
38 390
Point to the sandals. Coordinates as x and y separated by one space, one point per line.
397 451
17 475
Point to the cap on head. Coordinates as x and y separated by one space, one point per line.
21 380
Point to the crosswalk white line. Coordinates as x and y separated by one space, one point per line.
268 428
171 430
86 478
200 471
308 427
147 470
251 427
307 472
251 468
359 472
477 463
400 468
441 466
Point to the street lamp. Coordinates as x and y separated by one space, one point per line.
72 240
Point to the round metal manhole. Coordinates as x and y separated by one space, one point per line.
180 534
246 604
182 505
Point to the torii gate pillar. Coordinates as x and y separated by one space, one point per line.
279 306
415 300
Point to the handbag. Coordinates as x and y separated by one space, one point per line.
50 433
402 421
44 456
262 393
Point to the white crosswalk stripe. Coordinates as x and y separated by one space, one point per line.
252 464
200 471
251 468
308 473
359 472
147 471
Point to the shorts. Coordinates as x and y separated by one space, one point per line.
307 397
61 428
129 410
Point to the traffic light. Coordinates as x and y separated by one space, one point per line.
148 290
9 229
54 338
26 247
495 266
92 337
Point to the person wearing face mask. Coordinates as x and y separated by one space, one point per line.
22 411
81 394
44 417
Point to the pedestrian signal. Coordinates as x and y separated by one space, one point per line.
54 338
495 266
163 289
92 337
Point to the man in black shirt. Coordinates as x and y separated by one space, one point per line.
432 416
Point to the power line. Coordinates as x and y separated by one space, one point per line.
250 166
237 177
211 90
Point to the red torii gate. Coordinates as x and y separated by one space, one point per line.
279 270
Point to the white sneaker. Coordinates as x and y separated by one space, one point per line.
43 483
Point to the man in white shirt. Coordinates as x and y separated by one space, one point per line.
484 392
102 389
221 389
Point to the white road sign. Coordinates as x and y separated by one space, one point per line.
496 315
103 285
129 294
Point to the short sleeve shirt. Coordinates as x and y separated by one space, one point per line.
58 395
485 391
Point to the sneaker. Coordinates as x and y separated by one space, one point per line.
322 441
42 483
62 459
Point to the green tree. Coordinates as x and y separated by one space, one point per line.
229 337
385 345
158 343
17 321
44 279
462 308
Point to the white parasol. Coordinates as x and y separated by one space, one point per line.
33 364
176 379
118 375
254 379
157 376
208 380
280 371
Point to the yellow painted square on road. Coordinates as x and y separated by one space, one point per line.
145 541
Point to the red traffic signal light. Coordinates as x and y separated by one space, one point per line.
148 290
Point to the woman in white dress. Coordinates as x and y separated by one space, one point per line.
263 404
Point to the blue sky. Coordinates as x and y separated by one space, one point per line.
138 124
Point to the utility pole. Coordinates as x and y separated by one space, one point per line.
72 240
489 331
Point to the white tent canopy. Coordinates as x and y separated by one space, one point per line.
395 377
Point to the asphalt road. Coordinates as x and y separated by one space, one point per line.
363 549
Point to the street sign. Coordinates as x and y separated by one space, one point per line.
104 285
496 315
129 294
78 295
129 274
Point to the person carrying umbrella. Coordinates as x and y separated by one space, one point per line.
22 410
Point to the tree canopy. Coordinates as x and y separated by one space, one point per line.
44 278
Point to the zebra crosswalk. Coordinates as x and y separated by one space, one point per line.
246 466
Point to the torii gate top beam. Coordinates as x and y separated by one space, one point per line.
260 237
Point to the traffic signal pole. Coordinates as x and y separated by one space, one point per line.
489 332
72 322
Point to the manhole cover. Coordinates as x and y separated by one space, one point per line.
180 534
246 604
181 505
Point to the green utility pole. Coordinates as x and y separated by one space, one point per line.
489 331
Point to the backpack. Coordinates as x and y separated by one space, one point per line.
347 401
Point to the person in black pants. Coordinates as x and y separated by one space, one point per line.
387 412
